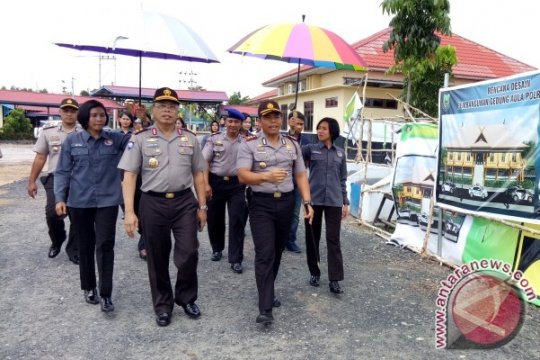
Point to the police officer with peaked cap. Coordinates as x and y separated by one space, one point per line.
223 189
267 163
170 162
48 145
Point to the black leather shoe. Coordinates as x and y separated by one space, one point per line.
192 310
107 304
237 268
216 256
53 251
314 280
163 319
265 318
91 296
293 247
276 302
75 259
335 288
143 254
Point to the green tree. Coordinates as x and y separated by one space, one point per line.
17 126
237 99
415 44
84 93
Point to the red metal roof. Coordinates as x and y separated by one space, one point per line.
251 110
267 95
475 61
15 97
148 93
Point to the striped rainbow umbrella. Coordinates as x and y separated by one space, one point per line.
300 44
311 45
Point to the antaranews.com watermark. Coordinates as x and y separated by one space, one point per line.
481 305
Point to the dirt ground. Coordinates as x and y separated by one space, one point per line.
387 310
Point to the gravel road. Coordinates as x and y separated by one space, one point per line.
387 310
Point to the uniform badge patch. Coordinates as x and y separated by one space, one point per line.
130 145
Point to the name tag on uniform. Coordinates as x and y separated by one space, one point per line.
316 152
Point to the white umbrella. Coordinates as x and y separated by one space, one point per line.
152 35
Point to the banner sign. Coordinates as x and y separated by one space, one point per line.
488 153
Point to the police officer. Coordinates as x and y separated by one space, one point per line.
170 162
48 145
296 126
267 163
223 188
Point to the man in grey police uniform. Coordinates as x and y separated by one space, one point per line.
267 163
48 145
170 162
223 188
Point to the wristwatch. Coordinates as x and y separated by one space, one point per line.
307 202
203 208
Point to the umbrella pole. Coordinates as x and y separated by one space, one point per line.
297 81
140 76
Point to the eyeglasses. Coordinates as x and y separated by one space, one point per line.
162 106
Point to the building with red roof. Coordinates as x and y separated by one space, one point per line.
325 92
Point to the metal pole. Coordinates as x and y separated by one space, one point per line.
140 76
440 215
297 77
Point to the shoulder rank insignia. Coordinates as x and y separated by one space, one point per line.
290 137
140 131
49 126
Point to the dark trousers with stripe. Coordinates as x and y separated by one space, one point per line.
159 217
270 221
230 194
332 219
55 223
95 229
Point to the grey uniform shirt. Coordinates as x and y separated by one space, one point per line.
327 174
258 155
221 153
50 142
165 165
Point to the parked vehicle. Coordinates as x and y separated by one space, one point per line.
478 191
448 187
519 194
451 230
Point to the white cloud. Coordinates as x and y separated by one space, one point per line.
30 60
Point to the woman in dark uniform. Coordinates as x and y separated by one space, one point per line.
327 180
87 167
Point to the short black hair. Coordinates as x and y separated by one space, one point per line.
129 115
83 117
333 127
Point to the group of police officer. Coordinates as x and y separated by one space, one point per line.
170 163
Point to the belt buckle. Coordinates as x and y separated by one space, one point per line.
226 178
169 195
277 195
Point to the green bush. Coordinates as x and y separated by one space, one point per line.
16 127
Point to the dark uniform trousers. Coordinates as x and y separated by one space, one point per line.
159 216
270 220
55 223
232 194
95 230
332 219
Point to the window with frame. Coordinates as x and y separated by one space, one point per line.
331 102
381 103
308 113
285 116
